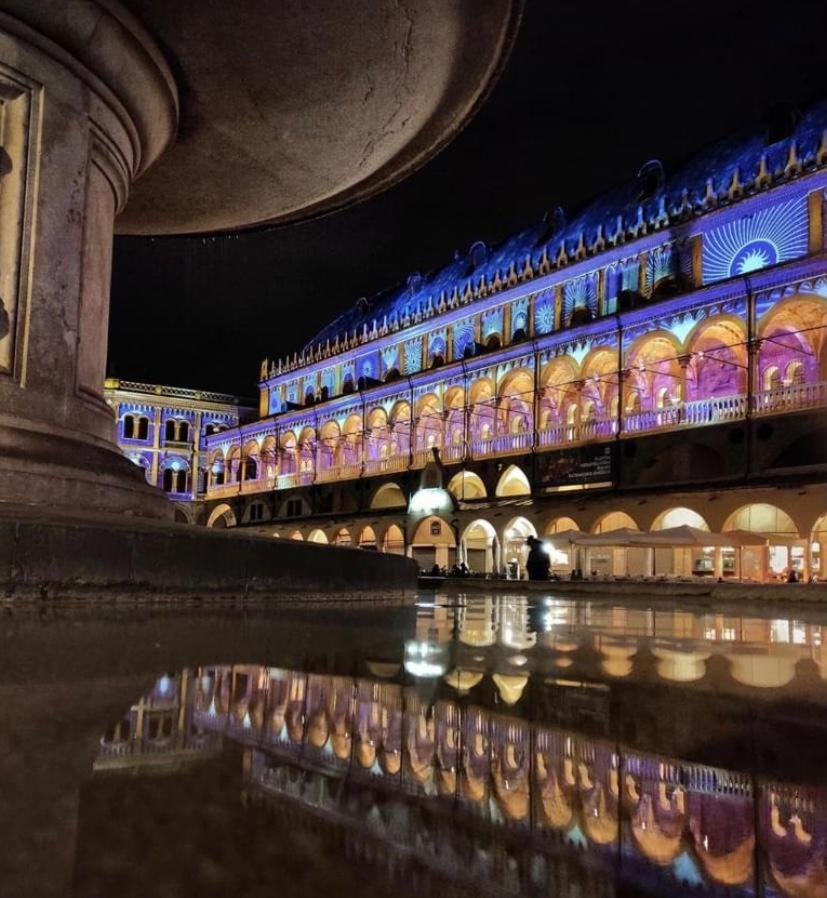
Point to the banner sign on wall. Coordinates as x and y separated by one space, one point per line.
587 464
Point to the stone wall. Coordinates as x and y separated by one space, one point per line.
126 556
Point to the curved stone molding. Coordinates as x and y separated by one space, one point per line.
86 104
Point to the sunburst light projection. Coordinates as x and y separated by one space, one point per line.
756 241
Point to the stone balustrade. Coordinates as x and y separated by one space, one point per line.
695 413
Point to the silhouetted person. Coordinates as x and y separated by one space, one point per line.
538 563
792 577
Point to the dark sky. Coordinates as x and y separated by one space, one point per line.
591 91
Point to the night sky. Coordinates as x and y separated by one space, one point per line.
591 91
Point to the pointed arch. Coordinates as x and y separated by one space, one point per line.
513 482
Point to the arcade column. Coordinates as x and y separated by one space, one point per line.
86 105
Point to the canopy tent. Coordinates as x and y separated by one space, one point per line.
684 535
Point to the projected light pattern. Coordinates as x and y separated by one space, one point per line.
767 237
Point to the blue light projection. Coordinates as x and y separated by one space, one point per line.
492 322
662 263
436 345
580 293
413 357
463 337
519 316
544 313
621 276
773 235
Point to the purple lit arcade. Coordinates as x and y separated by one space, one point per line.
656 359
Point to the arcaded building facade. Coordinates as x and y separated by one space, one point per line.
163 430
658 359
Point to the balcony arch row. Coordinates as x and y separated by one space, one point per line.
713 374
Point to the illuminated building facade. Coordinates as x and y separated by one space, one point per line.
659 359
163 430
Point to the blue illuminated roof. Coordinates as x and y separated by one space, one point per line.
680 196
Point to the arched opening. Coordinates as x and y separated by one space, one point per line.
216 470
289 461
480 548
784 551
297 535
400 430
222 516
317 536
342 538
256 512
378 436
513 482
467 485
717 360
433 544
142 428
181 517
175 477
818 549
233 468
515 548
394 541
482 420
617 561
367 539
250 461
557 394
128 427
654 374
351 442
328 445
690 561
269 458
428 423
454 428
516 402
306 450
793 336
563 556
389 495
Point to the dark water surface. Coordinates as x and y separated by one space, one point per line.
467 746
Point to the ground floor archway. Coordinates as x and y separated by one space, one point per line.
480 548
433 544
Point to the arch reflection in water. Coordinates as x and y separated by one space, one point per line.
491 798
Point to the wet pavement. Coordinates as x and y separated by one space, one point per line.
466 746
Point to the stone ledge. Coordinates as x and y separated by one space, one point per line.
124 558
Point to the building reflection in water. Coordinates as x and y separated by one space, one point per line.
480 756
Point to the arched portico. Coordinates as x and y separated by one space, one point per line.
222 516
433 543
515 548
480 548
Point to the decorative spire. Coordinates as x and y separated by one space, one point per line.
821 153
793 166
763 178
736 188
710 198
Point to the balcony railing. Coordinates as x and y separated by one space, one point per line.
502 444
715 410
697 413
790 398
294 478
223 491
339 472
593 429
387 465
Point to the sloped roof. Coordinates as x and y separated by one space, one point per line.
742 162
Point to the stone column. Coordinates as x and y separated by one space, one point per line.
86 105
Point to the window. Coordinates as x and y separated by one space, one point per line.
174 481
256 512
143 428
128 426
